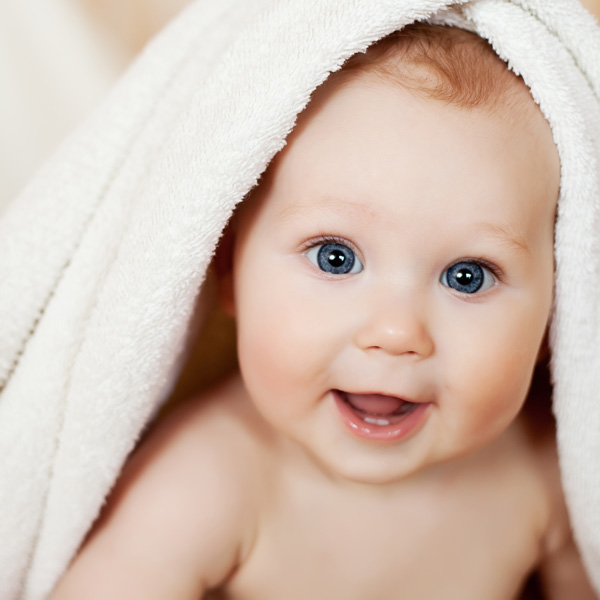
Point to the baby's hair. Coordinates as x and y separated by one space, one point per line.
444 63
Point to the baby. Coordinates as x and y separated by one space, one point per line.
391 277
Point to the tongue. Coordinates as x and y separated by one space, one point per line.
375 404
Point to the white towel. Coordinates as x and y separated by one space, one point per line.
102 256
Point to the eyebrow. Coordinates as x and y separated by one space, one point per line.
328 203
504 234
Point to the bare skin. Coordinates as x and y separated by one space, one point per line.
266 522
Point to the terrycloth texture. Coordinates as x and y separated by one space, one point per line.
102 257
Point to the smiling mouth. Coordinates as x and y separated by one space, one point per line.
378 416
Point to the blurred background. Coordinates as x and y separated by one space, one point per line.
57 59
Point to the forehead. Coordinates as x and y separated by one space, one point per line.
375 150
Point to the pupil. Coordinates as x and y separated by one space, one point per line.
336 259
464 276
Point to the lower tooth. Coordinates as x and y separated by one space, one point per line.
376 421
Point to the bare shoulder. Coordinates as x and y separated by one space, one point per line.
182 515
561 570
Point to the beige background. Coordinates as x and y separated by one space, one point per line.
593 6
57 59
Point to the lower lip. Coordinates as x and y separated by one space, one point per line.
387 433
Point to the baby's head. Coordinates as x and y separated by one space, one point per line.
393 271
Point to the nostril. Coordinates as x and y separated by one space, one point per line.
413 339
384 350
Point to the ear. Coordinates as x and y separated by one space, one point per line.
223 264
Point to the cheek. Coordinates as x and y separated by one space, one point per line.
490 376
285 340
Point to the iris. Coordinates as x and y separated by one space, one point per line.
335 258
465 277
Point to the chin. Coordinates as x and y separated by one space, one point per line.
372 472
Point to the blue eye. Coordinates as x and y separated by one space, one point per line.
334 258
467 278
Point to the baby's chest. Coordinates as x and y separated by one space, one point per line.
441 547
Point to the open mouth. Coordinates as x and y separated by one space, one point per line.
378 409
378 416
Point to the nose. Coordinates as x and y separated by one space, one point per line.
397 329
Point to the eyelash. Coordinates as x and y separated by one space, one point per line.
494 269
328 239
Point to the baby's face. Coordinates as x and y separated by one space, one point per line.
393 277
